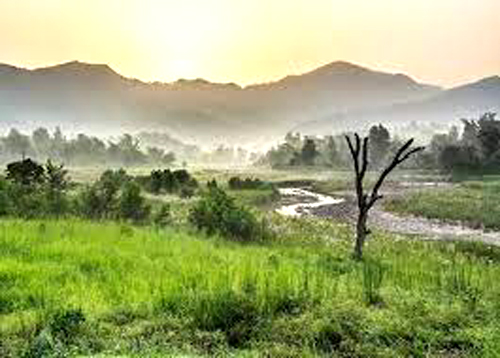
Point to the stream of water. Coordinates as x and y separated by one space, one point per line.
299 209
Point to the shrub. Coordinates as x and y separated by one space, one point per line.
91 205
25 201
236 183
56 183
156 181
32 190
162 217
100 200
132 205
178 181
187 192
4 197
217 213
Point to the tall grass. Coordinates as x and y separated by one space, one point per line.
75 287
473 203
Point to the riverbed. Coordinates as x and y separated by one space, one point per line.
300 202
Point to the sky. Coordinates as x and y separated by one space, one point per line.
445 42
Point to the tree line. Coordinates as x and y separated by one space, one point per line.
329 151
475 148
82 150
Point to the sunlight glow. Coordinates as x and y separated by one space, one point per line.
253 41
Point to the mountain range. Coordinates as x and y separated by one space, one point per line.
93 98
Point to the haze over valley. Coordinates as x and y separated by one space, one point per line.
340 96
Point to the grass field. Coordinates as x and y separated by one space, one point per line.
474 203
78 288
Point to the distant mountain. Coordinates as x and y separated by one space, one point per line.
343 78
94 98
467 101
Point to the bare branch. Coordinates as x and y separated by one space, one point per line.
358 142
351 148
364 158
410 153
404 148
398 159
359 153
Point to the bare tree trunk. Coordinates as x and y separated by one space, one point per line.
361 234
359 153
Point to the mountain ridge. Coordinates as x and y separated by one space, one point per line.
96 98
335 67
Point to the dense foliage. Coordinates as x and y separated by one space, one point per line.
169 182
475 150
34 190
328 151
237 183
217 213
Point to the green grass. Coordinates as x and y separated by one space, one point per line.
264 198
78 288
474 203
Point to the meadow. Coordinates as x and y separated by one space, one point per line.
72 287
110 287
474 203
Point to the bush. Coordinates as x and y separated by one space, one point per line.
217 213
236 183
100 200
187 192
132 205
4 198
162 217
55 186
177 181
23 200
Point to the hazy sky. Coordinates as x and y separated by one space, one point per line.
441 41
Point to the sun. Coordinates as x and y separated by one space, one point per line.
182 39
183 68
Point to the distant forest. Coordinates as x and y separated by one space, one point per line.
475 148
154 149
82 150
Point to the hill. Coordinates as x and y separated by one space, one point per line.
467 101
94 98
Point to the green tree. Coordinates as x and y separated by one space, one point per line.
26 172
489 135
129 151
329 152
281 156
380 142
17 144
309 152
56 184
132 205
42 142
217 213
25 193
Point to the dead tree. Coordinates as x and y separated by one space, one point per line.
359 153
